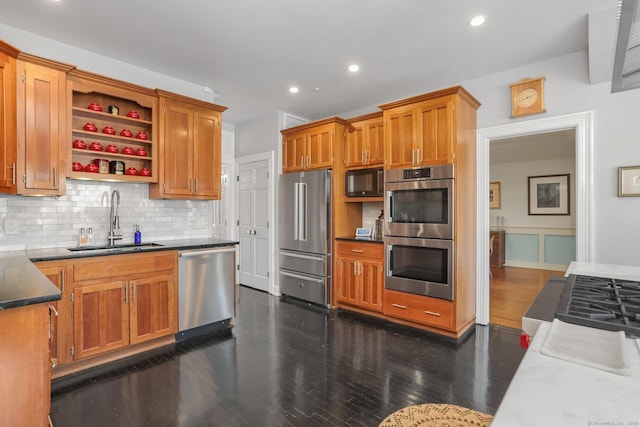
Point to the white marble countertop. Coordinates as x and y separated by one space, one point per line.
547 391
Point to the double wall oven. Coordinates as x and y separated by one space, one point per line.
419 231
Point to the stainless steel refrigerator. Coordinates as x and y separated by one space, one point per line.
305 236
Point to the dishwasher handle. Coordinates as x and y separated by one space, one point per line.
206 252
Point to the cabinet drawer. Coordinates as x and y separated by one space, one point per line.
416 308
360 249
123 265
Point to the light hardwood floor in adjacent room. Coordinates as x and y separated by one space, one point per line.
512 290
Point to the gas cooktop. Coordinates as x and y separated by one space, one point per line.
610 304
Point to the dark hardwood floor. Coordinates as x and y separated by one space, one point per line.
288 364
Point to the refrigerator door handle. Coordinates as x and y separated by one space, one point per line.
296 203
302 212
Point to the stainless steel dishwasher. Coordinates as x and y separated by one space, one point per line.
206 286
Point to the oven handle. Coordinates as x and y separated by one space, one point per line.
389 271
388 207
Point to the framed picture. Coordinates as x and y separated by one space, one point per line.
549 195
494 195
629 181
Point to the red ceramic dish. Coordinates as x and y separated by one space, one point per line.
132 171
90 127
133 114
91 168
126 133
109 130
95 146
77 167
94 106
141 152
111 148
128 150
142 135
145 172
78 143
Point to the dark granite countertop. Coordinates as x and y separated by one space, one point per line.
359 239
22 283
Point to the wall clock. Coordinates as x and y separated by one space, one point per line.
527 97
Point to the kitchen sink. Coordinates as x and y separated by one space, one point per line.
114 249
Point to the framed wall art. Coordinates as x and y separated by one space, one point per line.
494 195
629 181
549 195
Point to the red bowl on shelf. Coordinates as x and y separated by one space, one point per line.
90 127
126 133
94 106
132 171
145 172
109 130
95 146
141 152
111 149
133 114
77 167
142 135
78 143
92 168
128 150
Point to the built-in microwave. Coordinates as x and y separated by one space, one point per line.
364 183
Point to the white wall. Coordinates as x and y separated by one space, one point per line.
513 188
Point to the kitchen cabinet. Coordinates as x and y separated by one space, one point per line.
311 146
121 300
420 309
60 327
26 386
497 257
365 143
41 124
190 149
102 101
359 275
423 130
8 131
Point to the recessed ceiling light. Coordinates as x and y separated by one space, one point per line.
477 21
293 89
354 68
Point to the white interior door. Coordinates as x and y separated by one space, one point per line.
253 224
221 209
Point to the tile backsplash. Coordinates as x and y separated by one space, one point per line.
46 222
371 212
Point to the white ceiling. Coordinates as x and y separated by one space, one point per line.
251 51
529 148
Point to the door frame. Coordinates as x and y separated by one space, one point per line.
270 158
583 124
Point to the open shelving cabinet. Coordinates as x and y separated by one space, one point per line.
85 88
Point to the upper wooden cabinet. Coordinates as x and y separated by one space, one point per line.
8 173
85 89
41 124
311 146
190 149
423 130
365 143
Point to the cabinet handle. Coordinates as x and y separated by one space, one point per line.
53 310
362 158
126 293
366 157
357 250
355 268
134 292
197 186
404 307
419 152
432 313
62 279
55 177
13 174
53 364
413 156
359 268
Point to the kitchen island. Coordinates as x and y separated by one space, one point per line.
551 391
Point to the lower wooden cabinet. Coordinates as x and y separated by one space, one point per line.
111 302
359 274
25 385
123 300
420 309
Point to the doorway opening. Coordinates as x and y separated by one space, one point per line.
582 125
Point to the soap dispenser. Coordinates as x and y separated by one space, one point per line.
137 236
91 238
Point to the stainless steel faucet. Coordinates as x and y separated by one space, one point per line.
114 219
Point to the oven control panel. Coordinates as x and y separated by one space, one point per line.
417 173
